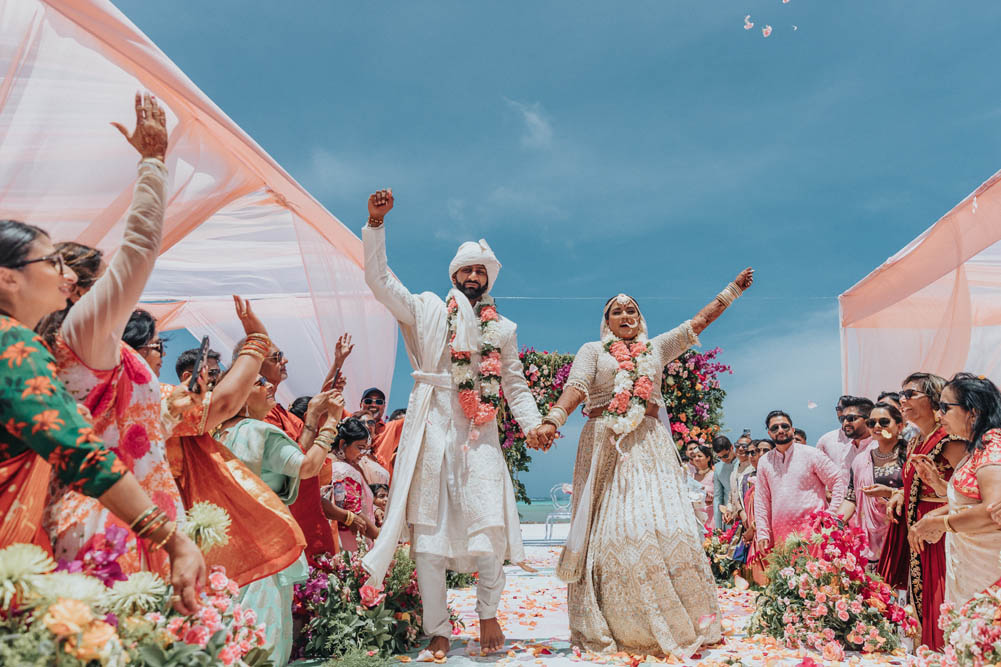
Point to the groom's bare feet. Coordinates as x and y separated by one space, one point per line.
439 647
491 635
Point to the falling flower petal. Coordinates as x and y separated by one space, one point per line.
811 405
766 31
747 22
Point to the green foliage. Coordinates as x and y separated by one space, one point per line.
459 579
359 658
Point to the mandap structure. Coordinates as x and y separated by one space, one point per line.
934 306
236 222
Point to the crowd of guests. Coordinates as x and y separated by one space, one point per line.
91 439
918 471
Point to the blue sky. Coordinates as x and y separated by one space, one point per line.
653 148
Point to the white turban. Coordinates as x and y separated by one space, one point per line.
467 326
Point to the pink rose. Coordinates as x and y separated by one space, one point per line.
488 314
627 365
619 350
843 615
643 387
490 366
229 654
620 404
371 596
636 349
218 581
197 636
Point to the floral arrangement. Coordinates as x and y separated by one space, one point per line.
481 407
693 396
87 612
342 613
719 545
972 633
821 597
690 388
633 384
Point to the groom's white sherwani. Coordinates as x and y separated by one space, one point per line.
451 485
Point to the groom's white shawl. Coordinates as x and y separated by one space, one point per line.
423 322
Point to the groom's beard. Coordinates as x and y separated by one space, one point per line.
787 439
473 293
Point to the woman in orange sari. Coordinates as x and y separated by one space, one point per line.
43 432
922 574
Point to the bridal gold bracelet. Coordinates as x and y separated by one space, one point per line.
557 416
729 294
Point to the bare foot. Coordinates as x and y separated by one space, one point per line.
491 635
439 647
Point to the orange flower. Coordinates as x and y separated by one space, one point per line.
60 457
15 428
47 420
94 643
17 353
6 323
37 386
67 617
118 467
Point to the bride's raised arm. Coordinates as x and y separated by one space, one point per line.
715 308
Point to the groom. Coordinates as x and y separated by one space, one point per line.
451 488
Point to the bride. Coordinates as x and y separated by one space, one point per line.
639 579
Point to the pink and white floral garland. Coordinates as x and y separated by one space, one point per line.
479 407
633 384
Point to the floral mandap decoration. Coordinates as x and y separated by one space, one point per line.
87 612
972 633
820 595
691 390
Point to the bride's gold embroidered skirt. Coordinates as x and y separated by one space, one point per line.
642 583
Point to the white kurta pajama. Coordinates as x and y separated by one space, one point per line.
451 487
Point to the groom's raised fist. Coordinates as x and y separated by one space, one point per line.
379 204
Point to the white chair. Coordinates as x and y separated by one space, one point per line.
562 498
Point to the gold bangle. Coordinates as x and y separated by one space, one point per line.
160 545
245 352
948 526
153 526
350 519
150 510
143 526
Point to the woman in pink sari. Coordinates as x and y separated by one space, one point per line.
348 500
755 564
874 475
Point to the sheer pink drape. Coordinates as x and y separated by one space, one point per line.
934 306
236 221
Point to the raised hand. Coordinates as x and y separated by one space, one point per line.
380 203
150 136
745 278
245 313
343 349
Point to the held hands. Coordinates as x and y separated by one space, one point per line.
251 323
150 136
745 278
380 203
542 436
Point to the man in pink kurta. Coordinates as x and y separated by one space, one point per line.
854 434
793 481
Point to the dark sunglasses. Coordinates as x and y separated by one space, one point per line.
849 418
752 451
55 259
214 374
260 382
775 428
276 357
156 346
882 421
908 394
373 401
944 407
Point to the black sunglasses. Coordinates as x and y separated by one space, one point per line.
849 418
882 421
752 450
944 407
55 259
908 394
373 401
775 428
276 357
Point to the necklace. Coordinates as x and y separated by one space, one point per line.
876 454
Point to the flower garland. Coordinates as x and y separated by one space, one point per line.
480 407
633 384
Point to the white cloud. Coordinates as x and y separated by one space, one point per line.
538 132
456 208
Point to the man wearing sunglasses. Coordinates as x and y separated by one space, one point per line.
793 481
854 413
373 402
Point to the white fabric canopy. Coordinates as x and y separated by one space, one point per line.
236 222
934 306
